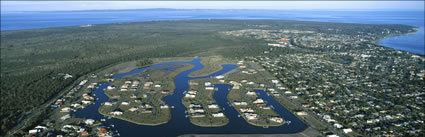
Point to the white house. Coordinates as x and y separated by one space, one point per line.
117 113
65 109
294 97
125 103
301 113
240 103
275 81
276 119
209 88
189 96
108 104
34 131
347 130
338 125
250 93
219 77
218 115
258 101
133 109
65 117
207 84
89 121
111 87
251 116
86 102
212 106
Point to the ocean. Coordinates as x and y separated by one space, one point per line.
412 42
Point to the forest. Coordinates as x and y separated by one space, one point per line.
32 59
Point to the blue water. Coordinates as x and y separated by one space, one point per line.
179 124
413 43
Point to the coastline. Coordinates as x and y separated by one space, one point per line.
416 29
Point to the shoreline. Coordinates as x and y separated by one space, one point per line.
210 125
138 123
377 42
200 73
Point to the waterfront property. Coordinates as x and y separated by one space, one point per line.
180 124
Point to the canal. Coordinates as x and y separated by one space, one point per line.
179 124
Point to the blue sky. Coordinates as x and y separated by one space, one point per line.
282 5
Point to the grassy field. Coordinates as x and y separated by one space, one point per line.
159 118
211 65
131 65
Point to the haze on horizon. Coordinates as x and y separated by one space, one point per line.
11 6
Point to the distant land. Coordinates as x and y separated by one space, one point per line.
412 43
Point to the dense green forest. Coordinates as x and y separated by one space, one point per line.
32 59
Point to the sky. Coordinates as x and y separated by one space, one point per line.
279 5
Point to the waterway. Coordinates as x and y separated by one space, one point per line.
179 124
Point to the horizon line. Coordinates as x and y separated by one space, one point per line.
382 9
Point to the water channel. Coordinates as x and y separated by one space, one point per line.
179 124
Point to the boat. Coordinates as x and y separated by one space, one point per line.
287 122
